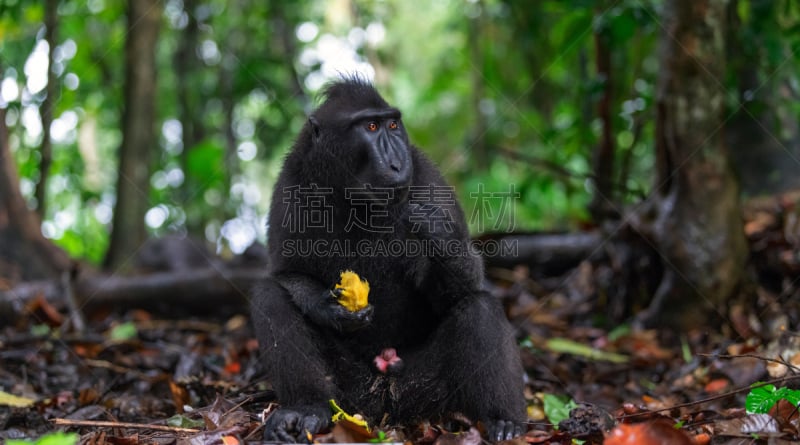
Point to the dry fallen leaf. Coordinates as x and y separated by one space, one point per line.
761 424
658 432
7 399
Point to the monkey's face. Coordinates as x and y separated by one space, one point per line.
383 158
373 145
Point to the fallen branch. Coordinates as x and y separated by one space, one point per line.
109 424
193 291
551 253
207 290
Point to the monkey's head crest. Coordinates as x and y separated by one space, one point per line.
353 92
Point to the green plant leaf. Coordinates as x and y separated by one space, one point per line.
567 346
761 399
557 408
181 421
124 331
57 438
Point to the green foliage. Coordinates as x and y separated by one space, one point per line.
40 330
181 421
762 397
619 332
382 437
568 346
124 331
499 93
557 408
87 239
56 438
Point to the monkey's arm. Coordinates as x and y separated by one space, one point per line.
316 302
457 271
452 278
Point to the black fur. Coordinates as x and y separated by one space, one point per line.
456 345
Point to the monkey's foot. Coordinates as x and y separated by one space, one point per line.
298 424
499 430
388 362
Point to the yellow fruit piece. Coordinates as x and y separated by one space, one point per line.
339 414
354 291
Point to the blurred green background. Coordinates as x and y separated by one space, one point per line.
498 92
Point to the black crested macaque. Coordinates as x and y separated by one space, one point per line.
431 341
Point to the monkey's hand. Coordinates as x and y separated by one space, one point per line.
330 313
297 424
352 291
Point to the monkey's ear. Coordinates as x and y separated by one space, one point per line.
314 128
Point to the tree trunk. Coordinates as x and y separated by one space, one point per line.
234 42
46 110
478 144
602 203
697 224
285 19
231 157
186 63
772 167
138 136
25 254
190 108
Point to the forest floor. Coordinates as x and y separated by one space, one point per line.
132 377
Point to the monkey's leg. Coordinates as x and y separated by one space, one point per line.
470 365
290 349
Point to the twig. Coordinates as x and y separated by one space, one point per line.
710 399
780 360
105 423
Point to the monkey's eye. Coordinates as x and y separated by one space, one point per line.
372 126
393 125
